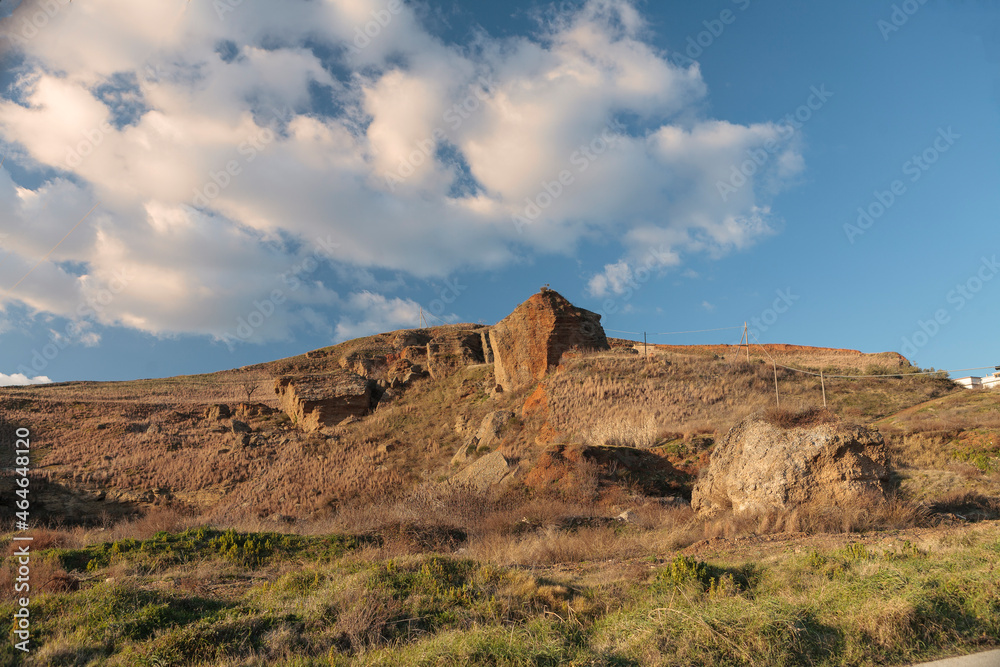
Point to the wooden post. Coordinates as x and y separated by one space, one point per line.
777 401
645 354
823 385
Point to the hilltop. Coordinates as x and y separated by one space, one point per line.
418 397
511 494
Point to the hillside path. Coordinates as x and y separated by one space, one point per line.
988 659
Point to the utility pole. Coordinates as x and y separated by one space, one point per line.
421 317
746 340
823 385
777 401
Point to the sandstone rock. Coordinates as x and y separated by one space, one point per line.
410 338
488 471
466 451
386 399
315 401
533 338
403 371
249 410
488 435
491 427
758 466
366 365
217 412
462 424
487 347
451 350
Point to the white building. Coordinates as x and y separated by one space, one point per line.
988 382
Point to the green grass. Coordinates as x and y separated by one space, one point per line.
249 550
312 601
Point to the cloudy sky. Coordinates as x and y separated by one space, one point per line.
189 186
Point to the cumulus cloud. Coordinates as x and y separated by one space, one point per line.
220 145
369 312
19 379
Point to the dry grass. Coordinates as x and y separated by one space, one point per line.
695 390
786 418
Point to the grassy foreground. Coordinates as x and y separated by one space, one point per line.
207 597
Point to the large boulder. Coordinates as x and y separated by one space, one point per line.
489 471
759 466
316 401
533 338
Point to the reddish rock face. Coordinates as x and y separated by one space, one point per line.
533 338
315 401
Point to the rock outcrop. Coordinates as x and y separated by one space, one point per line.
533 338
402 372
487 437
316 401
367 365
486 472
450 350
758 466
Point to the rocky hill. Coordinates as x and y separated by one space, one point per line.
541 400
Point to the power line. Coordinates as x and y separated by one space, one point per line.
762 346
672 333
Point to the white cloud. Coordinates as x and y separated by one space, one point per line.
373 313
233 154
19 379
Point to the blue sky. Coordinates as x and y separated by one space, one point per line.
191 187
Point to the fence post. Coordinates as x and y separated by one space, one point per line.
823 385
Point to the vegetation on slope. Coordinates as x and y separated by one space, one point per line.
349 601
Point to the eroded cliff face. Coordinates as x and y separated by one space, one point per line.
533 338
315 401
